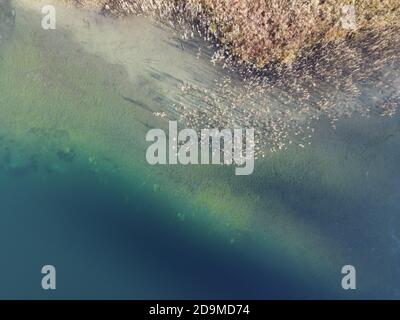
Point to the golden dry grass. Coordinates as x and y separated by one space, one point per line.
261 31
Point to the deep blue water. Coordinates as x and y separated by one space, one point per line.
105 247
109 239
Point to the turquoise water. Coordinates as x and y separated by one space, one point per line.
77 193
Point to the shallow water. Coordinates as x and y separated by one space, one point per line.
76 192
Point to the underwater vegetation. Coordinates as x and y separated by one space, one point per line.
288 63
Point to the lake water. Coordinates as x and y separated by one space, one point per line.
76 191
